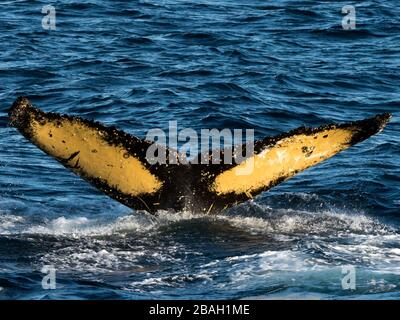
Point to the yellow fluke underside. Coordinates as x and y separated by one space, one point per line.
96 158
283 160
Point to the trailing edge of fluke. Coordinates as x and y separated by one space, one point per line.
115 162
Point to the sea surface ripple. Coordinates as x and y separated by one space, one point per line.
267 65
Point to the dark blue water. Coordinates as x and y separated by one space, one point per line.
267 65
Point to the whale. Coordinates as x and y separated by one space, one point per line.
115 162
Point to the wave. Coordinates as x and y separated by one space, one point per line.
266 220
272 248
136 66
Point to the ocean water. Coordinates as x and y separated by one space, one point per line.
267 65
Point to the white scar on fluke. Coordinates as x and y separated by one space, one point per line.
115 162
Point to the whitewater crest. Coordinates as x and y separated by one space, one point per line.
274 221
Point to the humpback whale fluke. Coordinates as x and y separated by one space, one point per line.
115 162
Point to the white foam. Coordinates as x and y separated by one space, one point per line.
282 223
82 226
9 222
352 238
77 226
290 221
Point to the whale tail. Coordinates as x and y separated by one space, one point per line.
117 164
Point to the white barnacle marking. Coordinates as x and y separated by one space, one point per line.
281 154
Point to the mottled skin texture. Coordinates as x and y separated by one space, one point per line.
115 162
